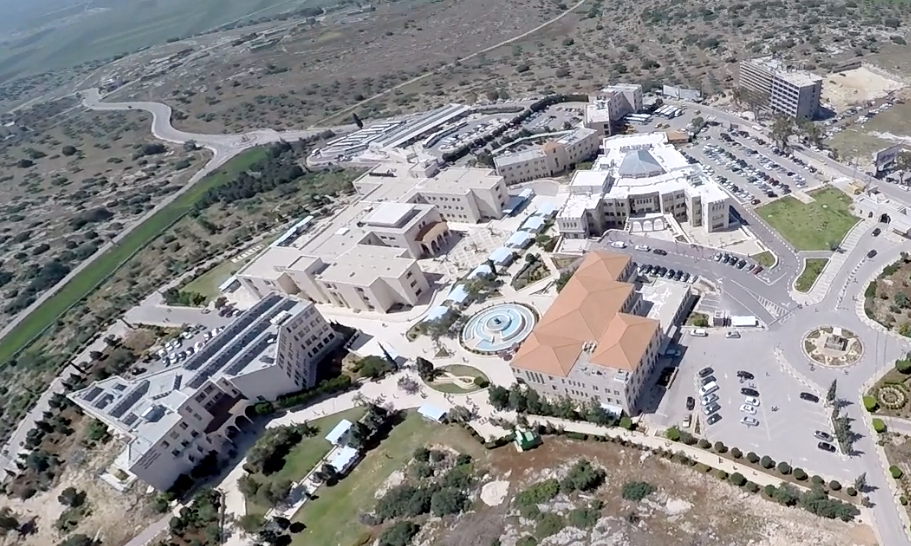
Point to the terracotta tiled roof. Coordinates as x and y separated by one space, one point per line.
588 309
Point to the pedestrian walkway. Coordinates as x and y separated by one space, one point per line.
833 267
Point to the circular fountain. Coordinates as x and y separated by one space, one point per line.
498 328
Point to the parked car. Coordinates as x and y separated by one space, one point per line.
713 418
824 436
687 421
690 403
699 332
732 335
706 400
745 375
707 380
876 232
705 372
746 391
751 401
746 408
809 397
711 408
749 421
871 254
825 446
708 389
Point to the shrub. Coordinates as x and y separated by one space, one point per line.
767 462
851 492
784 468
769 490
870 404
835 485
751 487
538 493
903 366
481 382
721 474
702 467
736 453
895 471
879 425
720 447
672 434
738 479
799 474
626 422
636 491
399 534
752 457
704 444
549 524
817 480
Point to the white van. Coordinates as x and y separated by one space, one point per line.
699 332
708 388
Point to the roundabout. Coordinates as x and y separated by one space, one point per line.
832 346
498 328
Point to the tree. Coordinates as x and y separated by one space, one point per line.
697 123
782 129
77 540
425 368
860 482
786 494
636 491
8 520
71 497
251 523
499 397
737 97
903 164
373 367
68 150
448 500
830 395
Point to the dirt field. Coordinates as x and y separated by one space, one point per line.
687 508
856 86
117 516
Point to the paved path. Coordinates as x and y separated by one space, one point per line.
833 267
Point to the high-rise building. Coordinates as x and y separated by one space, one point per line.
769 82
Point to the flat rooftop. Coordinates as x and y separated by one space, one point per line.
390 214
513 158
363 264
665 298
782 70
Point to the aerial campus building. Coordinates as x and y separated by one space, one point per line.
641 183
175 417
550 158
366 257
593 343
388 136
610 105
770 82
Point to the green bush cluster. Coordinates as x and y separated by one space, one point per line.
896 472
636 491
335 385
870 403
799 474
879 425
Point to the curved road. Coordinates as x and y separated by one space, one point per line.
223 148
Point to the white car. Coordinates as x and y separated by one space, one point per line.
746 408
751 401
749 421
643 248
706 400
618 244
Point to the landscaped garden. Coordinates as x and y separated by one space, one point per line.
886 299
300 459
458 379
765 259
832 346
332 518
820 225
812 269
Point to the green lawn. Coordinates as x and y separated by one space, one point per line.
105 265
305 455
332 518
811 226
811 271
765 259
461 371
207 284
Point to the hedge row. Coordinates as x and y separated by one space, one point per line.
336 385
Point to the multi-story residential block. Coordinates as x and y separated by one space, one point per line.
549 159
174 417
591 343
770 82
638 182
609 106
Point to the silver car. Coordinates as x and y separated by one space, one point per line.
749 421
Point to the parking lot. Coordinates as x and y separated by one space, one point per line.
785 434
752 170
